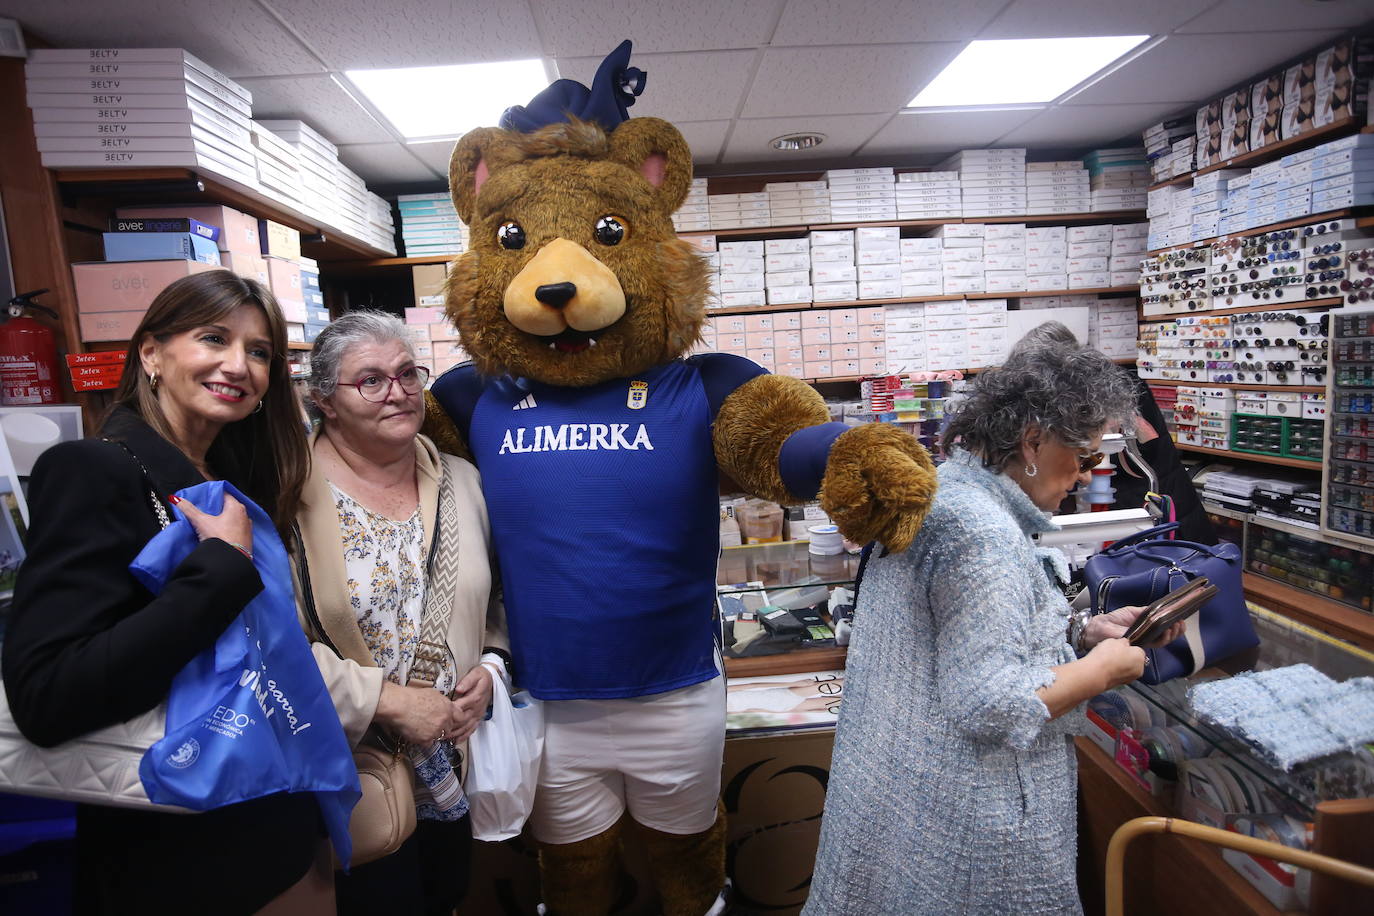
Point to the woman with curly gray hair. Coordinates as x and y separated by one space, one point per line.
953 786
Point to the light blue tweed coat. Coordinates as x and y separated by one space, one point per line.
951 790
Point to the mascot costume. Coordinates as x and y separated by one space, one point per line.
600 446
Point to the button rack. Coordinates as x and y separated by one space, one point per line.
1348 505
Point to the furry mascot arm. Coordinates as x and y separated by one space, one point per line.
875 481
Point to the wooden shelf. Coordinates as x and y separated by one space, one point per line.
797 662
1106 216
1270 152
1304 463
1245 310
191 186
1237 386
299 345
1339 620
863 303
388 262
1271 227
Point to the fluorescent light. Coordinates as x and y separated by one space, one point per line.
1021 71
431 103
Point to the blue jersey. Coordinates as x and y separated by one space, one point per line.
603 506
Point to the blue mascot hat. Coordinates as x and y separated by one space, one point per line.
613 91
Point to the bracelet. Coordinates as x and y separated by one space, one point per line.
241 549
1078 627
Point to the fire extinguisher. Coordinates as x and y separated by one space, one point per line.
28 354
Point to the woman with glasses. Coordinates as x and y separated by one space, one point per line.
369 574
953 785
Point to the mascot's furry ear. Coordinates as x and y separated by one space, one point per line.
474 158
657 151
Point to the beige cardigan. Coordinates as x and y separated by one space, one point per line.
478 621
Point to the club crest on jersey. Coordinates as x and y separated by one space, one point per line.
638 396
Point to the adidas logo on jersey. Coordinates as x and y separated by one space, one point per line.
525 403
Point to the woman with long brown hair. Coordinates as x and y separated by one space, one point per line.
205 395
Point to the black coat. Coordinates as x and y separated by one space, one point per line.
87 646
1174 481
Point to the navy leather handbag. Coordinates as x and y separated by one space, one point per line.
1138 569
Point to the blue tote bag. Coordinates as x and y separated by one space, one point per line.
1138 569
249 716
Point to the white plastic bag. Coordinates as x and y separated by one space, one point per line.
504 768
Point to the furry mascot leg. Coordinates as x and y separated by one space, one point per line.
688 870
582 878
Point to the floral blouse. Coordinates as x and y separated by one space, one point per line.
385 564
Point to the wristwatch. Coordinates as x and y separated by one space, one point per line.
1078 625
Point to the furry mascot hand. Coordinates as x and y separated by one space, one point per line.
878 485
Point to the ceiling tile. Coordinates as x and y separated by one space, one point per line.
577 27
697 86
944 132
1190 68
1074 18
386 163
704 137
843 133
239 39
1282 15
844 80
434 154
825 22
320 102
360 34
1086 125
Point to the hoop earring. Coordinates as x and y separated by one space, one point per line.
1032 470
152 381
258 409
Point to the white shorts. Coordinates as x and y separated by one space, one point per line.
659 756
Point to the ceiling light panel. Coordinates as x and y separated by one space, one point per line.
470 95
1021 71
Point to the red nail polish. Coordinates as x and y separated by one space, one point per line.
174 499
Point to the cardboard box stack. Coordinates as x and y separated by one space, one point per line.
1170 212
742 281
1047 258
878 260
793 203
928 195
1207 201
1129 245
278 166
739 211
316 313
138 108
813 343
1004 257
787 271
430 225
433 336
922 268
1169 147
961 257
1089 256
862 195
992 181
695 214
1112 327
331 192
834 275
1057 187
1118 178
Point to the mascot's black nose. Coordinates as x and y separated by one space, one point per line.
555 295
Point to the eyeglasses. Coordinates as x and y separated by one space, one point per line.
1087 462
377 388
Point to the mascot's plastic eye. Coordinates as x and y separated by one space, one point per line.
610 230
511 236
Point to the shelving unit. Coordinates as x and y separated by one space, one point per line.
1271 152
1304 463
320 240
1271 227
1339 620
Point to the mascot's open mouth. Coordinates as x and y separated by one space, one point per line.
572 341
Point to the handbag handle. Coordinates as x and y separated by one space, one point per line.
1147 535
1203 549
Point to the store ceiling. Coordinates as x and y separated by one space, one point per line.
732 74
